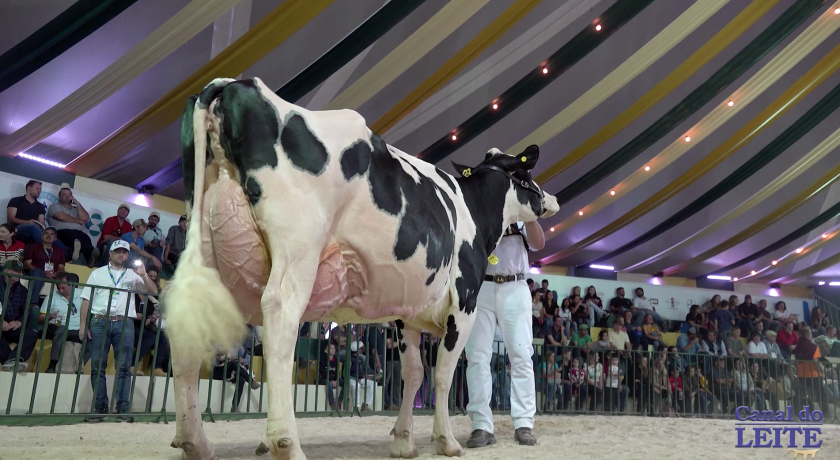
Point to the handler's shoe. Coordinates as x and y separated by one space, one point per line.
480 438
525 436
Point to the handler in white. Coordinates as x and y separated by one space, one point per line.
504 297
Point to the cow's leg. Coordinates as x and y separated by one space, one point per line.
458 327
283 303
412 374
189 433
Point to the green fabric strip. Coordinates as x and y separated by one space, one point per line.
67 29
807 228
788 22
825 107
562 60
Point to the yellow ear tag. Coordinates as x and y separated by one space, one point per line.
493 259
524 159
466 172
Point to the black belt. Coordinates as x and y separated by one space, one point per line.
502 279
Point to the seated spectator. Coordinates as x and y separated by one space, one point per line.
696 391
723 385
642 385
619 304
748 313
787 339
10 247
113 229
766 318
714 346
550 308
661 387
614 385
578 384
818 322
755 347
176 241
781 314
27 214
328 371
651 335
619 338
146 327
689 344
69 217
61 312
828 343
549 381
642 307
555 335
154 236
774 354
13 317
137 243
536 311
734 346
229 367
581 338
696 319
43 260
598 314
765 388
723 320
565 374
603 341
634 332
743 385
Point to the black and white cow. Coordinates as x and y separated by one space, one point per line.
301 216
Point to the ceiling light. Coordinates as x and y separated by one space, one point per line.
688 138
598 27
602 267
775 262
647 168
454 137
735 279
825 235
799 251
730 103
822 283
552 229
580 213
719 277
545 69
834 283
836 10
41 160
612 192
752 272
495 106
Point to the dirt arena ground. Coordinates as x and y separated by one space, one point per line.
566 437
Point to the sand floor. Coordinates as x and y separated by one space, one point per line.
566 437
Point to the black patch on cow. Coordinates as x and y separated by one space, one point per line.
302 146
451 337
402 347
446 178
423 217
250 128
400 327
211 91
253 190
430 279
188 150
472 261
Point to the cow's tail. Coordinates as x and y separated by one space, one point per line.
201 314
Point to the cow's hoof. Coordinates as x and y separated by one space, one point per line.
281 448
262 449
403 448
193 451
449 447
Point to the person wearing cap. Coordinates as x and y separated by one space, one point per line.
113 228
154 236
43 260
688 344
107 328
69 217
504 297
176 241
359 371
60 312
137 243
14 312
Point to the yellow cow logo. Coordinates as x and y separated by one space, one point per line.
805 454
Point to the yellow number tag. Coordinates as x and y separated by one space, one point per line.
493 259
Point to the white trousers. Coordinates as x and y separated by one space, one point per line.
510 304
365 385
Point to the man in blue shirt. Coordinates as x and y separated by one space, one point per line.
689 343
137 244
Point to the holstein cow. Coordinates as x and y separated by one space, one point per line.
309 216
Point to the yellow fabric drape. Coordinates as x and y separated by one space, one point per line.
412 49
252 46
793 95
167 38
492 33
743 21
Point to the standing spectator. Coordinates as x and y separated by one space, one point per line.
594 374
614 386
360 372
113 229
43 260
724 321
106 325
63 316
766 318
137 243
711 305
69 217
642 306
696 388
392 388
146 331
549 380
642 385
176 241
328 371
13 315
722 385
154 236
10 247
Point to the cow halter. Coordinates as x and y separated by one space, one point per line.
517 182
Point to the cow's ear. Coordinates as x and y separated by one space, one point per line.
462 170
528 158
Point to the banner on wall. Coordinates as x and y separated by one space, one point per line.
671 302
99 208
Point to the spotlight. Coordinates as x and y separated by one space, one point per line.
580 213
602 267
545 69
552 229
454 137
647 168
719 277
688 138
799 251
822 283
775 262
598 27
495 106
730 103
735 279
612 192
146 190
752 272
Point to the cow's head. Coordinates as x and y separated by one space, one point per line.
524 199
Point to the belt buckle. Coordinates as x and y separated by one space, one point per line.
500 279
